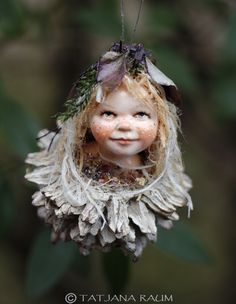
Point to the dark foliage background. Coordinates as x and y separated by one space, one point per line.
45 44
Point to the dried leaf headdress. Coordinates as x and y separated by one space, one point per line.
109 72
104 215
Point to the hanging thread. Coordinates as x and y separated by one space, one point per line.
138 17
122 15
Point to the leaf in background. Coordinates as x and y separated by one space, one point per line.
103 18
176 67
181 242
224 98
229 49
12 15
116 268
224 89
163 16
18 128
6 205
82 264
47 264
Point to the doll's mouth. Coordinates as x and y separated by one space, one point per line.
124 141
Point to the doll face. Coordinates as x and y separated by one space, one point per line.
122 125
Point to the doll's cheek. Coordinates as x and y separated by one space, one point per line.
148 132
148 138
100 132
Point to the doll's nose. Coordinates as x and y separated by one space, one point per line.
124 125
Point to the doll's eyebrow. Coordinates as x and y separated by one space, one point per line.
142 109
107 107
139 108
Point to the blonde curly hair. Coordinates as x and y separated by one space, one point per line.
145 91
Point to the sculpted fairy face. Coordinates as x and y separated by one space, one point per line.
123 125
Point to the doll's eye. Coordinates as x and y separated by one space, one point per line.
108 114
142 115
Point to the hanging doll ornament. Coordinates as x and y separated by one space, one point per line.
112 171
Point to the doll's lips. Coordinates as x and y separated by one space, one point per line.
124 141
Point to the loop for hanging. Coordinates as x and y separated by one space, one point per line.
138 17
122 15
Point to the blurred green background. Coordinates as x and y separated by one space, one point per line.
44 45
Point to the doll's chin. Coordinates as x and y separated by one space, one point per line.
124 152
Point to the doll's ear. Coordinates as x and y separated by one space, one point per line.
171 90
